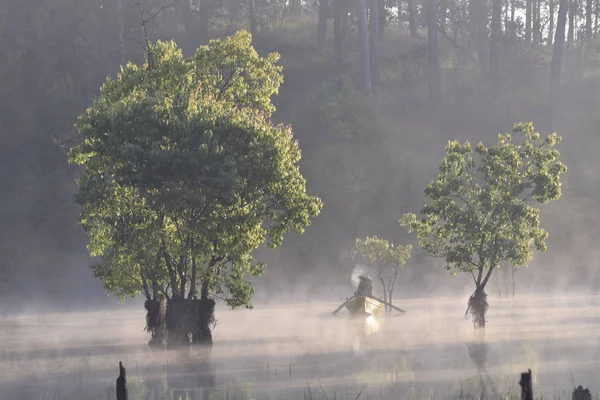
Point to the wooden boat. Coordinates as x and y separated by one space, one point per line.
363 303
364 306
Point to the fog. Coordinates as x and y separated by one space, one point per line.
62 335
292 350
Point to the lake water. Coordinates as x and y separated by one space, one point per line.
301 351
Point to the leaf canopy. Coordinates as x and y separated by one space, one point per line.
184 174
483 205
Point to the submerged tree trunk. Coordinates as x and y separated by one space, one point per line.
557 57
374 47
433 64
478 306
155 321
363 46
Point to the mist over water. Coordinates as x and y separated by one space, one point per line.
290 349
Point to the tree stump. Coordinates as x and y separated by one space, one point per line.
526 386
121 383
581 394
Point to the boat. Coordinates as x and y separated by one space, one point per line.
363 303
364 306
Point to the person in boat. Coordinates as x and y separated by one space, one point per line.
365 287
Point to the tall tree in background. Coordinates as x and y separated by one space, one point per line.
322 24
374 47
495 43
363 46
551 32
185 176
252 17
338 34
412 23
588 19
433 62
557 59
528 20
482 36
481 206
572 23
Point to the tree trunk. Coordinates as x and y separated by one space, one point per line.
295 6
338 36
121 22
433 64
557 57
412 24
528 18
191 40
384 292
473 20
588 19
536 21
204 22
374 47
363 43
382 18
514 283
252 17
596 18
495 43
551 7
192 294
478 306
322 25
572 21
482 36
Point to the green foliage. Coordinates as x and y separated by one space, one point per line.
482 209
384 259
381 252
185 176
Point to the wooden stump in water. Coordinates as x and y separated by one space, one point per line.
581 394
121 383
526 386
155 321
190 319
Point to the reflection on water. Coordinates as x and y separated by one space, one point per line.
364 328
289 352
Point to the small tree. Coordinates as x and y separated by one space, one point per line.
185 176
482 206
384 259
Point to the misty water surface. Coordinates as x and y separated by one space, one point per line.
298 350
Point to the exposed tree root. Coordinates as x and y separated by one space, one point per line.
477 308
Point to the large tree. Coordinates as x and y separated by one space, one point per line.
482 206
185 176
